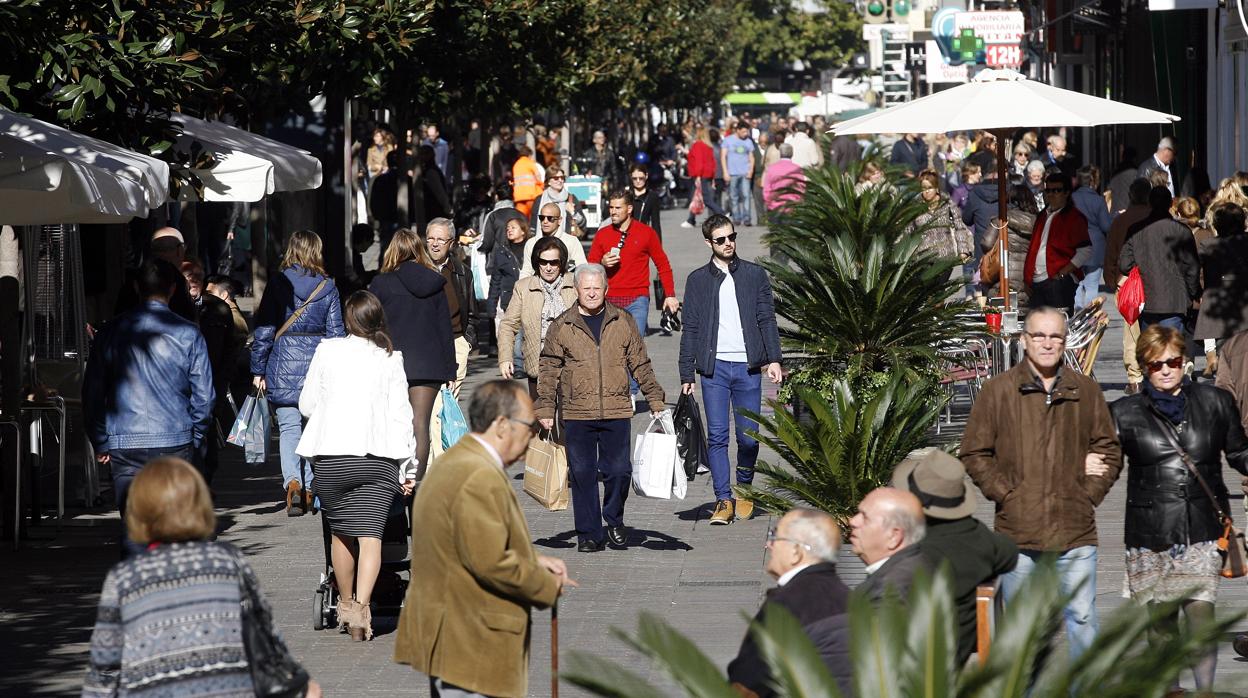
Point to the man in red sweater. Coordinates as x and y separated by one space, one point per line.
626 247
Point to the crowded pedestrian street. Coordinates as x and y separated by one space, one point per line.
705 580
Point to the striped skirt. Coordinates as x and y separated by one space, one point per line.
356 493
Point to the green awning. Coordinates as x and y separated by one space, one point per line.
774 99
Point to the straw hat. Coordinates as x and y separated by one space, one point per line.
938 480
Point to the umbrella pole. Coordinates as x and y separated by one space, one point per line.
1002 215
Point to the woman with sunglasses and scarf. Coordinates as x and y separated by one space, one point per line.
1174 434
535 302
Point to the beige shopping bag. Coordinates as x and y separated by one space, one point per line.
546 473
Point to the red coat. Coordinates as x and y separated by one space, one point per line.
1068 233
701 160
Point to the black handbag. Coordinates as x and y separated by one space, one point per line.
274 671
690 435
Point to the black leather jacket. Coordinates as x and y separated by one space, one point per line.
1165 503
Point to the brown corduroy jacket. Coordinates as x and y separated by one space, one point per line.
475 576
1026 451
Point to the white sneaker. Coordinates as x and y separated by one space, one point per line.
703 469
687 224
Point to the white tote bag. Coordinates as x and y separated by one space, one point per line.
656 468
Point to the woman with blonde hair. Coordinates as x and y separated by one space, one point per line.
185 582
872 175
300 307
361 444
1174 435
418 315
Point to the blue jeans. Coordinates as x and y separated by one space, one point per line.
1089 288
1073 566
733 386
125 464
598 446
739 191
709 197
640 310
290 428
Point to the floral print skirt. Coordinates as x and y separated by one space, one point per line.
1181 572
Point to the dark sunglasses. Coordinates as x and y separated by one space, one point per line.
547 218
731 237
548 262
1155 366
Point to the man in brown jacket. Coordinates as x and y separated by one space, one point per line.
1041 444
587 357
475 575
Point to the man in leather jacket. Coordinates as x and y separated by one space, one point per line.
148 390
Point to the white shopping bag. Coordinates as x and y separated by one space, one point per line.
656 465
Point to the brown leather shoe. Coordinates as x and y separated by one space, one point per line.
294 499
309 501
744 508
723 513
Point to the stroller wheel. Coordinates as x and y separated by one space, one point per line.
322 614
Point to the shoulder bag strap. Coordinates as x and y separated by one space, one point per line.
299 311
1167 430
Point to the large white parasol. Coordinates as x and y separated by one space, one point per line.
1000 101
247 166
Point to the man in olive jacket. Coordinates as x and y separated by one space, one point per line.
475 575
1041 444
587 357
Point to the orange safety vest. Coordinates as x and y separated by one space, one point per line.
525 184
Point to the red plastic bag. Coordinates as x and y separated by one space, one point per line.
697 204
1131 297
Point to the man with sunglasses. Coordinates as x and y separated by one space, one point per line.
1041 444
550 220
731 339
1060 248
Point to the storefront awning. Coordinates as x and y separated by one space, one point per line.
49 174
772 99
244 166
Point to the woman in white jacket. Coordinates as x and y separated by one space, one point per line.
360 442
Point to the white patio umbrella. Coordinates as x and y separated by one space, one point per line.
826 105
248 166
1000 101
49 174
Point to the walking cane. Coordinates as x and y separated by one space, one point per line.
554 649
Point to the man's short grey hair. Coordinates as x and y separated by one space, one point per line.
1035 166
583 270
913 527
1042 311
1166 143
1055 139
786 150
817 530
444 223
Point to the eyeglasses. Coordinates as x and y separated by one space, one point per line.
549 219
772 538
437 241
1041 337
731 237
1175 363
548 262
534 426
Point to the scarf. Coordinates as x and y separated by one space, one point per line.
552 302
1170 406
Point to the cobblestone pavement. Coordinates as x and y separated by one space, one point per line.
704 580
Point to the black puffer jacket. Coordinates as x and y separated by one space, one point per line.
1165 503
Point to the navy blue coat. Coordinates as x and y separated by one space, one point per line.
284 364
980 208
699 334
419 319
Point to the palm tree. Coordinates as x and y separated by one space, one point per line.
907 651
846 448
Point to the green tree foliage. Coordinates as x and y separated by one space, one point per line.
114 67
846 448
778 32
907 651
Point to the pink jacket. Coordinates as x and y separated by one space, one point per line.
780 174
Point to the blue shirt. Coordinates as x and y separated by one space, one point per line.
739 151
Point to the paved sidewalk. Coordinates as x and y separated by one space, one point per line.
704 580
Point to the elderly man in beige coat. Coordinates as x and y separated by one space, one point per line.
475 574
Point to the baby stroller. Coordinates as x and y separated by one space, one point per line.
391 582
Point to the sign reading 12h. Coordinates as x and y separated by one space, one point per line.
991 38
